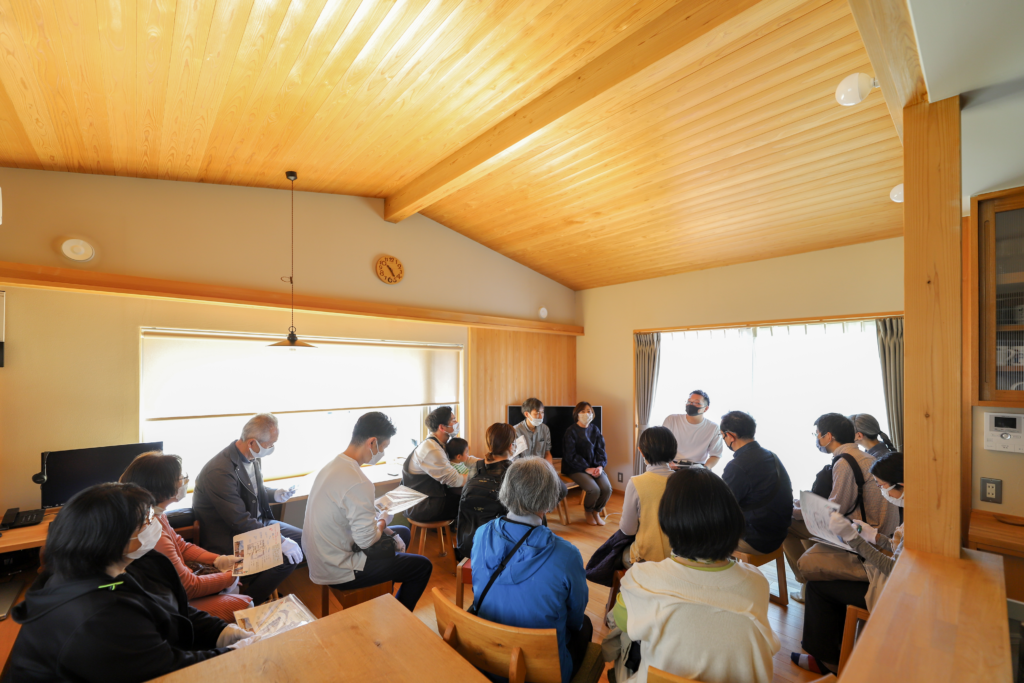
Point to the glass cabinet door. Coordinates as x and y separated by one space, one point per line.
1001 236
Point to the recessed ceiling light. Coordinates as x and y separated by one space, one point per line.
854 89
78 250
543 313
897 194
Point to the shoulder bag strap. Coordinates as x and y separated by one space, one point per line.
475 607
858 477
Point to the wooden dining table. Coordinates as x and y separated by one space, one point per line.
378 640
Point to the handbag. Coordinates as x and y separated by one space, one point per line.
475 607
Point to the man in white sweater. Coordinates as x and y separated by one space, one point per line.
342 522
697 438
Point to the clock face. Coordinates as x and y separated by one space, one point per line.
389 270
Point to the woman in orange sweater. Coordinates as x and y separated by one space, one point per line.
211 590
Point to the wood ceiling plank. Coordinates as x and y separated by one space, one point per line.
116 23
16 147
681 25
154 41
276 35
192 23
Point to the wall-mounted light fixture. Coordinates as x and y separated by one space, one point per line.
897 194
854 89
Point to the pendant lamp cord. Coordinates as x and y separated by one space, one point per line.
292 278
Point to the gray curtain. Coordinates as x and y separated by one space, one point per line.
890 352
648 360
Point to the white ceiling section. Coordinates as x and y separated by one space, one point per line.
975 48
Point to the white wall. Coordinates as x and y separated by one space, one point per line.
865 278
239 236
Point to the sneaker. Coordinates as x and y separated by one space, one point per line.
800 595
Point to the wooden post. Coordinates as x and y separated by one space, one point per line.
932 305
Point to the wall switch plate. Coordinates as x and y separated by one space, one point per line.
991 490
620 477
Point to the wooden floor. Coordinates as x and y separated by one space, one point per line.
787 622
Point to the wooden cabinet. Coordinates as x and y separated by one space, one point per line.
998 218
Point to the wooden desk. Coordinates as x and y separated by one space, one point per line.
989 534
939 619
378 640
27 536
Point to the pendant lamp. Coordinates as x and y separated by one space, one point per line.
292 342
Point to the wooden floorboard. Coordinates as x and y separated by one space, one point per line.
787 622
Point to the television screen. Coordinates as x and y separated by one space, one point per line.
558 419
68 472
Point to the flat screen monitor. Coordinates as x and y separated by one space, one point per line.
558 419
68 472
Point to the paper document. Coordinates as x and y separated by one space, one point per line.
816 511
521 447
275 617
260 550
398 500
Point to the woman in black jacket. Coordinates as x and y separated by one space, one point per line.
107 607
480 503
584 459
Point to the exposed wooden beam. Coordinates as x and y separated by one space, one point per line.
888 35
933 324
682 25
68 279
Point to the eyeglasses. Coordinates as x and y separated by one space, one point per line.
816 435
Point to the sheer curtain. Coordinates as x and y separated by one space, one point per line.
784 376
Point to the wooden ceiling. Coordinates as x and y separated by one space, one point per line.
595 141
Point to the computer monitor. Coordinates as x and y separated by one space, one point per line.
558 419
68 472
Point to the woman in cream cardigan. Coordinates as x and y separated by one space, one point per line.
698 614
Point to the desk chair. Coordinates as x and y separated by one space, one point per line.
855 617
424 527
522 654
780 566
353 597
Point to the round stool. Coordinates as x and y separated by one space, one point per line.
423 528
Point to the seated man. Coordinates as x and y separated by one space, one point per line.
760 483
429 471
230 499
348 546
535 437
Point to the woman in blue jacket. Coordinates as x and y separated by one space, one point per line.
544 584
583 460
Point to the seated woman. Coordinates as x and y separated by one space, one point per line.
161 475
88 619
657 445
429 471
698 614
480 503
825 609
544 584
584 459
869 435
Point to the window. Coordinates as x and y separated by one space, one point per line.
199 389
785 376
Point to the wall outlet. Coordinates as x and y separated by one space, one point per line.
991 490
620 477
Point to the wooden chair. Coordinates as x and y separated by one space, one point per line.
563 506
780 565
522 654
351 598
855 616
463 575
614 592
659 676
443 530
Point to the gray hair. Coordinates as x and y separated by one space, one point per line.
530 487
869 427
259 427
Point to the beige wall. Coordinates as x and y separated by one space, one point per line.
995 465
865 278
239 236
71 375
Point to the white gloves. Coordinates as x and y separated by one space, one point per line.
245 642
399 544
226 563
867 532
291 550
282 495
231 635
841 527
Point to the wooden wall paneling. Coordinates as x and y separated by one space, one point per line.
969 289
506 368
933 318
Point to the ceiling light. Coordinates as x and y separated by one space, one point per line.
543 313
78 250
292 342
854 89
897 194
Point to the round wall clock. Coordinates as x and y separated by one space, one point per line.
389 270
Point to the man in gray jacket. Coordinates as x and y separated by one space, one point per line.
230 499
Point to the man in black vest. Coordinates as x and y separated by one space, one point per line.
429 471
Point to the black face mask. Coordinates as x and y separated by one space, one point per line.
692 410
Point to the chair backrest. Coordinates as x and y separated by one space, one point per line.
659 676
521 654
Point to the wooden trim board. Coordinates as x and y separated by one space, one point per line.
780 321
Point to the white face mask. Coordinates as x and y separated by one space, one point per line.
454 429
585 418
536 421
180 495
260 451
898 502
148 538
376 457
